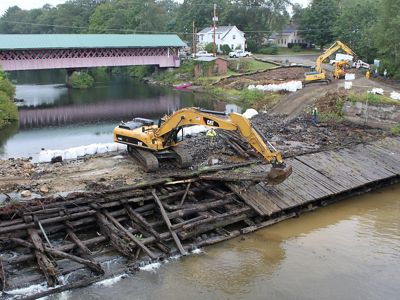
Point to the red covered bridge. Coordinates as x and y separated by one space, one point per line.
65 51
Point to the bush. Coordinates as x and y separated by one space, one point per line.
140 71
226 49
240 65
395 129
296 48
8 110
272 50
81 80
209 47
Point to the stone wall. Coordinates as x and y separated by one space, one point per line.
382 116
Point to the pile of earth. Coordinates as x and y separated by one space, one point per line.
277 75
329 102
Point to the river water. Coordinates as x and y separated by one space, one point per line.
55 117
348 250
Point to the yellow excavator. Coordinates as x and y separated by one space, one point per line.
149 142
319 75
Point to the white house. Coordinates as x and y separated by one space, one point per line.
289 34
229 35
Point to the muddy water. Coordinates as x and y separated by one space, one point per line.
349 250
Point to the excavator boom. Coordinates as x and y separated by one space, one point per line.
319 74
165 136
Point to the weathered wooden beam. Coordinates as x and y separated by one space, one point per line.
3 283
168 222
130 235
185 194
137 218
44 263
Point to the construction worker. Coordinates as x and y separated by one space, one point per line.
211 134
368 74
314 113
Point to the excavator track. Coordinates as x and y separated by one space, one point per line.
146 158
183 158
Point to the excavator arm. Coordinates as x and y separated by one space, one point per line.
149 142
232 122
336 46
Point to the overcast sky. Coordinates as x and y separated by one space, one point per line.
28 4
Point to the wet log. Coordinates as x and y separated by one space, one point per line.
141 222
169 225
195 208
3 283
117 240
44 263
54 252
130 235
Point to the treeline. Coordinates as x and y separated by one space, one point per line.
369 27
257 18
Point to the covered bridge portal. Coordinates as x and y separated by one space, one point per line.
65 51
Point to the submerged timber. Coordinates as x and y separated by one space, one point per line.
77 234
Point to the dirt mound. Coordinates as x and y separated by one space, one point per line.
277 75
330 101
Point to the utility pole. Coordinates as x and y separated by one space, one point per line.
215 20
194 41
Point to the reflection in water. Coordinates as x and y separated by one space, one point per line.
54 117
347 250
6 133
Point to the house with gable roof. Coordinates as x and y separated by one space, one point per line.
289 34
229 35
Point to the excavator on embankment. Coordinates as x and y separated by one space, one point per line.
150 143
319 75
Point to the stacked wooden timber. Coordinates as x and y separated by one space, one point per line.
79 234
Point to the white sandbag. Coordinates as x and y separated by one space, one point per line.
121 146
192 130
291 86
376 91
45 156
91 149
112 147
80 151
101 148
350 76
395 95
249 113
70 154
348 85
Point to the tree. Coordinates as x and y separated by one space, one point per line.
318 21
387 37
353 26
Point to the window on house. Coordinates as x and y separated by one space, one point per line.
232 47
285 42
219 36
201 37
234 37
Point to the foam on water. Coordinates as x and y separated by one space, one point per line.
111 281
151 267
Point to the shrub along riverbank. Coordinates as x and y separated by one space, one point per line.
8 109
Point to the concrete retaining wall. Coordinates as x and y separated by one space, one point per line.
381 116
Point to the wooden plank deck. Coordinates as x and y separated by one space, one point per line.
325 174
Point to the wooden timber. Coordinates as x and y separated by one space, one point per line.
154 220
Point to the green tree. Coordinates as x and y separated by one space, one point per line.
318 20
387 36
353 26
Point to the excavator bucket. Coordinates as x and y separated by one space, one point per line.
278 174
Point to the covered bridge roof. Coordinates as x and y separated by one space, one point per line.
60 41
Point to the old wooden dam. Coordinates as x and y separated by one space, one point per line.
78 234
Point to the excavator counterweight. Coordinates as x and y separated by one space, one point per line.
149 142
